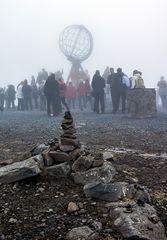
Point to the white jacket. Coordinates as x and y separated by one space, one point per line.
19 92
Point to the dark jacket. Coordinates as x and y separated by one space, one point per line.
98 84
27 91
110 79
117 82
51 87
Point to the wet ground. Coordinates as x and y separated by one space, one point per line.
39 206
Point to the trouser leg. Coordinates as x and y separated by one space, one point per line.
63 100
48 106
123 96
96 105
102 102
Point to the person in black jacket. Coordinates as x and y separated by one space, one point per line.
51 91
98 85
117 89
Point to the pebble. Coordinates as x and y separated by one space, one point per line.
12 220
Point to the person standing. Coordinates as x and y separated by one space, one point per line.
27 94
42 97
110 80
125 87
51 91
35 92
162 85
98 85
62 94
10 97
88 97
117 89
20 97
71 95
82 95
2 99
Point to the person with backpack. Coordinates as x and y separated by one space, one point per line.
138 80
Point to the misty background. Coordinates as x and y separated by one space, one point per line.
131 34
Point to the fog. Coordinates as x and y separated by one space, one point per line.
127 33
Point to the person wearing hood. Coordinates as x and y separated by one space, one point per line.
98 85
51 91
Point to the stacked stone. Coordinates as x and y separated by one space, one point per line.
68 140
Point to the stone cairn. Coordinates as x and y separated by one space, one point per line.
65 149
68 140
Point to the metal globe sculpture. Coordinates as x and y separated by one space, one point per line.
76 43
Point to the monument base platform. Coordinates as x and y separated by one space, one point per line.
141 102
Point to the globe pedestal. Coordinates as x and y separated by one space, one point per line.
75 73
141 102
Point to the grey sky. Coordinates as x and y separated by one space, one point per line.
127 33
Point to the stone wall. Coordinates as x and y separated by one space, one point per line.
141 102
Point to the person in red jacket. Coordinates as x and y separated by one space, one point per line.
71 95
82 95
62 93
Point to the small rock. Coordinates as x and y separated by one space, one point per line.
97 226
108 156
41 189
12 220
48 160
82 233
38 149
72 207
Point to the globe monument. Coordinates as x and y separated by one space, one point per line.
76 43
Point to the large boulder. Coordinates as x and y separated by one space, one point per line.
106 192
83 233
137 222
19 171
103 174
113 192
60 170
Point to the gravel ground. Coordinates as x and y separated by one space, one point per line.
43 214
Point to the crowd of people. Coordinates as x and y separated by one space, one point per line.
49 92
